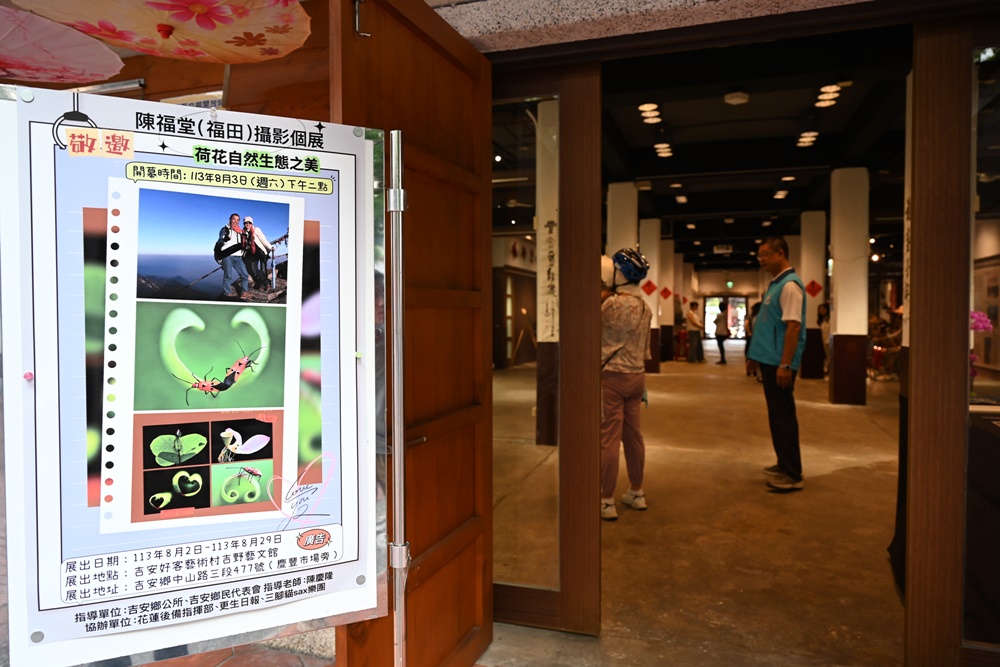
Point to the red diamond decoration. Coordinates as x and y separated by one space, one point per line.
666 293
649 287
684 299
813 288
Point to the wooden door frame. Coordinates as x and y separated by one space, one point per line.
576 605
943 94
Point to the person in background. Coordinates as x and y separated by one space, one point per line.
625 320
232 261
722 330
695 328
256 250
778 341
823 320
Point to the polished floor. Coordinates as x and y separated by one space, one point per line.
719 570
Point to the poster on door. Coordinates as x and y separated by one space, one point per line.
189 371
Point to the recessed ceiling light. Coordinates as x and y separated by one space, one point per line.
665 154
497 158
828 96
653 120
648 106
676 185
832 88
650 114
513 222
810 133
825 103
780 194
728 221
528 237
874 258
766 223
701 254
804 144
681 199
662 145
697 242
736 98
690 225
788 178
871 240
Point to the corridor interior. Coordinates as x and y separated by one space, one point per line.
719 570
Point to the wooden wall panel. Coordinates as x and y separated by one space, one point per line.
439 257
436 374
939 343
445 466
434 635
296 86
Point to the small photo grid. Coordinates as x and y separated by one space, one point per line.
229 463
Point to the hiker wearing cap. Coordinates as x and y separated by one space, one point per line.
256 250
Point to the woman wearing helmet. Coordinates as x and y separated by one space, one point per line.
625 320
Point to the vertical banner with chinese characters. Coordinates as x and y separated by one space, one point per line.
189 374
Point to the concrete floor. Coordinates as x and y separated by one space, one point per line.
719 570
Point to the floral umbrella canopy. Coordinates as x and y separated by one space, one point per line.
33 48
216 31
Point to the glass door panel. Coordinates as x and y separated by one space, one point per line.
525 348
982 548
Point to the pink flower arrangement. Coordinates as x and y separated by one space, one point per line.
978 321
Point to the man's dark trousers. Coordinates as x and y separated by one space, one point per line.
784 423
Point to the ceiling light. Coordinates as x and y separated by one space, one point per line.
766 223
667 154
787 178
676 185
736 98
874 258
655 120
828 96
845 84
690 225
513 222
697 242
780 194
871 240
681 199
804 144
650 114
758 242
728 221
832 88
824 103
497 158
662 145
644 186
701 254
811 133
648 106
528 237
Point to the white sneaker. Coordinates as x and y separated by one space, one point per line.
635 499
608 511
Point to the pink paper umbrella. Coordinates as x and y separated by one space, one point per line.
33 48
215 31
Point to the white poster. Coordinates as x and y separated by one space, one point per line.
189 373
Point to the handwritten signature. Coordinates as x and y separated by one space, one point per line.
300 498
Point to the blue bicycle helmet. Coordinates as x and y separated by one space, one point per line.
631 263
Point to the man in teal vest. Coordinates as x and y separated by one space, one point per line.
778 340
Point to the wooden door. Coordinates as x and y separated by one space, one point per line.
416 74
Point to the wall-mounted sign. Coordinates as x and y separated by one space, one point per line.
189 374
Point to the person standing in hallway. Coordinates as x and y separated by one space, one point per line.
722 330
779 338
695 327
625 321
